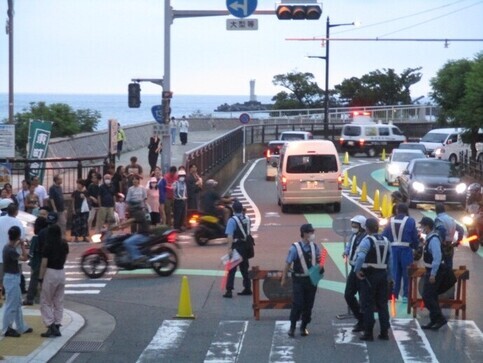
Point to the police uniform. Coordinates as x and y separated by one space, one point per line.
446 227
304 291
351 284
403 235
374 261
432 257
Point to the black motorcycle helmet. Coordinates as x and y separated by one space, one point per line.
397 196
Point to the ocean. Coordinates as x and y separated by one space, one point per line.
115 106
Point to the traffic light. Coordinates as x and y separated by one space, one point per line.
299 12
134 95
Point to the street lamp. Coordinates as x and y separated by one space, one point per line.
326 97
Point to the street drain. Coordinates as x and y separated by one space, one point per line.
82 346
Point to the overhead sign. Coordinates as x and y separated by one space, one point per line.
157 112
244 118
242 24
241 8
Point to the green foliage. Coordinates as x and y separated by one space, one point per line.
379 88
66 121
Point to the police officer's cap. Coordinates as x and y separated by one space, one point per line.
427 222
306 228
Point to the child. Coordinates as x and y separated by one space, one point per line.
120 209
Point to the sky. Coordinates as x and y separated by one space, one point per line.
98 46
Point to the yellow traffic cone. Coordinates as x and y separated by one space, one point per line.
184 307
345 183
384 206
389 206
354 185
346 158
376 206
364 192
383 155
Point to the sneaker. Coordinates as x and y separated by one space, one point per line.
291 332
304 332
245 292
228 294
383 336
12 333
29 330
367 337
428 325
439 324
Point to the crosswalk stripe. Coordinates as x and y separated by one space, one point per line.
412 342
167 340
345 336
469 338
83 285
282 349
227 343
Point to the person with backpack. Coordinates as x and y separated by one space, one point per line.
237 230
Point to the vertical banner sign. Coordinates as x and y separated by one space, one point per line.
112 127
39 136
7 141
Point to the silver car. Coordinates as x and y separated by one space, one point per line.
398 162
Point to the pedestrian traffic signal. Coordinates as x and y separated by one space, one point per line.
134 95
299 12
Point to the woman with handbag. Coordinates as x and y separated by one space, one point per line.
80 212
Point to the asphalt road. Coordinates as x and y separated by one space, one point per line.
224 330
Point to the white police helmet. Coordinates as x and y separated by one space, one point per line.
359 219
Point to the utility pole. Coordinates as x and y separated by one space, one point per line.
9 30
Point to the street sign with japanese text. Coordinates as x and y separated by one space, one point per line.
242 24
157 112
7 141
241 8
39 137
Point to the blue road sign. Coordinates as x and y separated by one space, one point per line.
157 112
244 118
241 8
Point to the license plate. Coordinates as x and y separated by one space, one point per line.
350 143
440 197
314 185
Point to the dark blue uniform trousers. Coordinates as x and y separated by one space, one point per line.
373 291
350 295
402 258
430 298
303 298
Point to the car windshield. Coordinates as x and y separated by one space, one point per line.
275 148
406 157
435 169
352 130
305 164
434 137
412 146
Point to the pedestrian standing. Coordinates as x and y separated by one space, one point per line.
11 280
106 203
402 233
120 208
133 169
235 237
358 227
121 137
21 194
183 130
373 270
32 202
93 192
180 197
119 180
56 196
447 228
301 257
195 185
80 212
40 191
153 201
52 281
432 258
154 148
136 201
166 198
173 125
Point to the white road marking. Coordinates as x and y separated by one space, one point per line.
253 206
345 336
468 338
412 342
227 343
283 347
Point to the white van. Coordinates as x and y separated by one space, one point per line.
309 172
453 151
370 138
438 138
296 135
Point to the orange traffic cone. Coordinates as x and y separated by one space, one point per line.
184 307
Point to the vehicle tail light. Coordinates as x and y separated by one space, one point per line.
284 183
341 140
268 153
361 142
194 219
340 179
171 238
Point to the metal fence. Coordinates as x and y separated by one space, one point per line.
472 168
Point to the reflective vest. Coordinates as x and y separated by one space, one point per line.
354 243
302 264
397 237
378 253
427 255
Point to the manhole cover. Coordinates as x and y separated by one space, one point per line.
82 346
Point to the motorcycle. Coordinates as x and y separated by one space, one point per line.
474 224
210 227
159 250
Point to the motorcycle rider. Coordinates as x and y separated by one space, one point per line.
211 202
475 197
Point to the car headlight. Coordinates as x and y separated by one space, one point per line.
438 152
461 188
393 169
468 220
418 186
97 238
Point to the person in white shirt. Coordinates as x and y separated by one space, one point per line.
173 125
21 194
183 130
40 191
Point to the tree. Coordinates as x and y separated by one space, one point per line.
458 89
66 121
305 93
379 88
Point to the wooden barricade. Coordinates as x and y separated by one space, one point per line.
278 297
457 303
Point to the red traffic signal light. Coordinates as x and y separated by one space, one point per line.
298 12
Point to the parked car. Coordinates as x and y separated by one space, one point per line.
296 135
437 138
430 181
272 155
398 161
413 146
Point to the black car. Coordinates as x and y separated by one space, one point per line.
432 181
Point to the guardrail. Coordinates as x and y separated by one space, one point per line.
472 168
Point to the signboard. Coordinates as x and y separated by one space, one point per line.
7 141
112 127
244 118
157 112
242 24
5 174
241 8
39 136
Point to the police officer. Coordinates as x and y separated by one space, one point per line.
301 257
358 225
403 235
373 270
396 198
432 256
447 227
